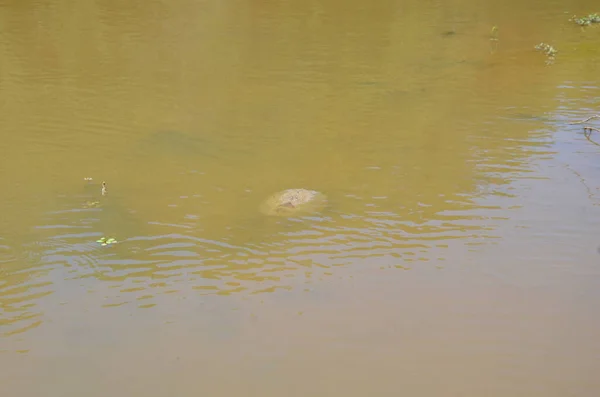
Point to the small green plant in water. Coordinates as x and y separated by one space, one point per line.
106 241
494 39
494 34
91 204
548 50
586 21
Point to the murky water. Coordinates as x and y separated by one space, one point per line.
458 253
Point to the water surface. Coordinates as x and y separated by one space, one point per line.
458 255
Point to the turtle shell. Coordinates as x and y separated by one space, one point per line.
294 202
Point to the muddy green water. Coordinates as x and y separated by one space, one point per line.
458 254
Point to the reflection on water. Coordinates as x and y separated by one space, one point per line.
452 172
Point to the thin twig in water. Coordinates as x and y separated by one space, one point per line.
587 130
586 120
591 194
587 133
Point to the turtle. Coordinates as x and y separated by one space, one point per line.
291 202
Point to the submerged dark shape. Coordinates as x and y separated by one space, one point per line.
195 145
177 143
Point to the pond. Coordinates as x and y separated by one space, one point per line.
457 253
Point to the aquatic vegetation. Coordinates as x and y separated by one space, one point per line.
91 204
90 184
494 39
587 130
549 51
586 120
106 241
494 33
546 49
586 21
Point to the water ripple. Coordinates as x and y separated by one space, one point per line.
20 293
